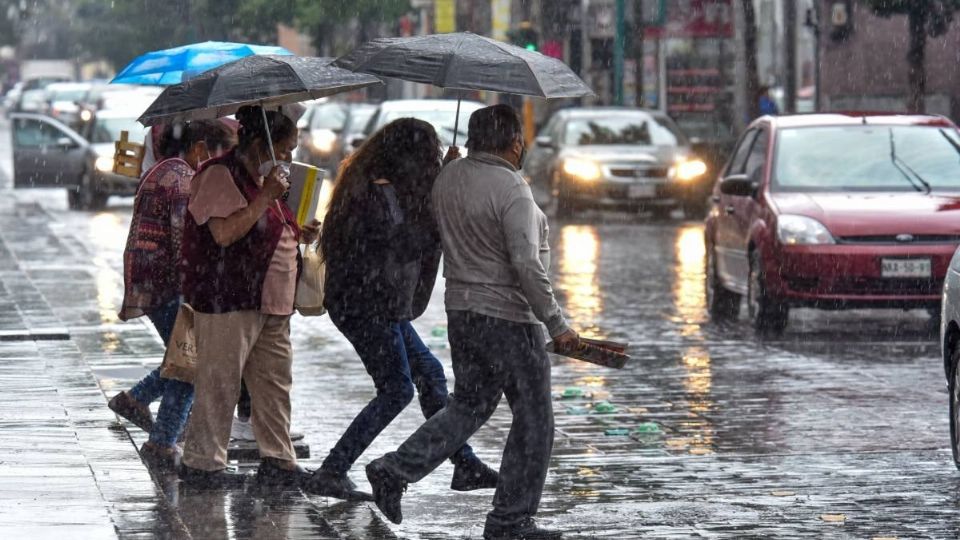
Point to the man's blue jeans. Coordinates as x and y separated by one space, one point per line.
398 361
177 395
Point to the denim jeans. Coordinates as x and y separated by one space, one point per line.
177 396
397 361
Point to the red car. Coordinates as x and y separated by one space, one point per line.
834 211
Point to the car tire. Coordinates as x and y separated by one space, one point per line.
768 316
84 197
953 387
722 303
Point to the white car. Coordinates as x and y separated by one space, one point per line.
950 347
440 113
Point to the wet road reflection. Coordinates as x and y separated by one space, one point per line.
578 278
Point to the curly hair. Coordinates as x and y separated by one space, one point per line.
407 153
251 129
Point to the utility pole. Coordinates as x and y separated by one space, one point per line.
618 46
790 56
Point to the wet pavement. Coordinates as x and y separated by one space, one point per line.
837 429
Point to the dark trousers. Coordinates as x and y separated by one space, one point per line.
491 357
397 361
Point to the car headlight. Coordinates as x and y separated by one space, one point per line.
104 163
801 230
86 115
323 140
688 169
581 168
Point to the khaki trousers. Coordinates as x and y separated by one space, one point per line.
256 347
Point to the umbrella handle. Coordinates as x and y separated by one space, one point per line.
266 128
456 120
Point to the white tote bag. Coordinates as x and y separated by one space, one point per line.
309 298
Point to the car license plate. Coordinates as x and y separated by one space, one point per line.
641 191
905 268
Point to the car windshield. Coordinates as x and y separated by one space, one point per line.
441 120
107 130
630 130
867 158
359 116
68 95
328 116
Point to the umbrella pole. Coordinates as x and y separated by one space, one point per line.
456 120
266 128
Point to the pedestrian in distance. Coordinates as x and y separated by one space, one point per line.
241 261
498 293
152 283
382 252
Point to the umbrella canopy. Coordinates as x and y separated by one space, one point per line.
173 66
255 80
466 61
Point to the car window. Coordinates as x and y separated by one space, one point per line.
107 130
757 157
550 130
867 158
358 118
741 153
619 130
29 133
328 116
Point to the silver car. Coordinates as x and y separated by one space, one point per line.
616 157
950 347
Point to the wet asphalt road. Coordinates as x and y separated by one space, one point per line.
837 429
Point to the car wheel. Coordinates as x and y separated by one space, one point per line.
85 197
722 303
953 385
767 315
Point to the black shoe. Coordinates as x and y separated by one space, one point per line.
139 414
387 490
271 473
159 458
334 485
525 530
201 479
473 474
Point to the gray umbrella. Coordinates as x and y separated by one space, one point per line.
466 61
265 80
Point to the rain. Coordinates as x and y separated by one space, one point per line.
267 266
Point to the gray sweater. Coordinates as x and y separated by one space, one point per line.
495 248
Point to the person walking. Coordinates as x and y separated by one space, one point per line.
382 253
241 263
496 255
152 282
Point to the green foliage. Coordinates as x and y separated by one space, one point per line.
934 15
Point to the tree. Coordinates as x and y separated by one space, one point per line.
320 18
750 48
925 18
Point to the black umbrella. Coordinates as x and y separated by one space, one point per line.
466 61
265 80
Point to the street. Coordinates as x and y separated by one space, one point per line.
836 429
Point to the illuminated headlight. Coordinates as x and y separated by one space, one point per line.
801 230
86 115
581 168
688 169
323 140
104 163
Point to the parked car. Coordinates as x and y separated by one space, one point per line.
950 349
12 96
358 115
48 153
320 126
33 100
616 157
441 113
63 100
834 211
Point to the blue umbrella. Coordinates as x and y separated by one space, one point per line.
173 66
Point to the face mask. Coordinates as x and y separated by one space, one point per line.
267 166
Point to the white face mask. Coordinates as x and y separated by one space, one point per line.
267 166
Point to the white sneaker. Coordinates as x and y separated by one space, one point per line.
242 431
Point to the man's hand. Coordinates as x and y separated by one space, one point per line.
452 153
567 341
310 232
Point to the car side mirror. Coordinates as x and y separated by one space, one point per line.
66 143
738 185
544 141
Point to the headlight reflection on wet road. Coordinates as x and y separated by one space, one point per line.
578 280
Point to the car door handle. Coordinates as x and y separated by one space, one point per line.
729 210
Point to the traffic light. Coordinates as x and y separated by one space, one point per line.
525 37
